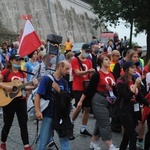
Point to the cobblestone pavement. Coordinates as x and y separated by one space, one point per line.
14 141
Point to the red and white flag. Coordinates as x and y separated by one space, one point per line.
29 41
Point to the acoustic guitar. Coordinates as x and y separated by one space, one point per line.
6 97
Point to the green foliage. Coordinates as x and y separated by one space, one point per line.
111 11
134 44
137 11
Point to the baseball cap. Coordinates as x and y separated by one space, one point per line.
15 56
128 64
86 47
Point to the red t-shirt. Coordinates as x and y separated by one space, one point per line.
78 80
146 70
14 76
106 79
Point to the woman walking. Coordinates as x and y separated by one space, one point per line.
18 104
128 108
100 90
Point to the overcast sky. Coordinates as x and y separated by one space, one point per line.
123 31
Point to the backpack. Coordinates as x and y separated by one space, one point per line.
30 103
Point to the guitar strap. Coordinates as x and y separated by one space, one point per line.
51 77
27 72
37 74
80 64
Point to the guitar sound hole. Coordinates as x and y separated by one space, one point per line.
15 89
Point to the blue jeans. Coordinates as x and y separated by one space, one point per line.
46 132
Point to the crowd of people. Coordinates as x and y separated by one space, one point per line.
107 83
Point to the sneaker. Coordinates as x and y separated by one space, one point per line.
112 147
27 148
85 132
3 146
71 107
71 137
94 146
140 144
51 145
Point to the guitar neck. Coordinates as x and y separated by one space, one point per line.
24 85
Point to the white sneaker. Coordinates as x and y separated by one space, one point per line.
112 147
94 146
140 144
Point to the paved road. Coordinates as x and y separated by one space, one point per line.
14 141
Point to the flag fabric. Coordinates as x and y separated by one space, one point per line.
29 41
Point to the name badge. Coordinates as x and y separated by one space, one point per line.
111 93
136 107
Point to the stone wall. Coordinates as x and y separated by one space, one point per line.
69 18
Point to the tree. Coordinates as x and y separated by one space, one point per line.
132 11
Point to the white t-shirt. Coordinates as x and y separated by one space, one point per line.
109 50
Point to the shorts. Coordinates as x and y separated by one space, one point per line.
140 114
77 96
